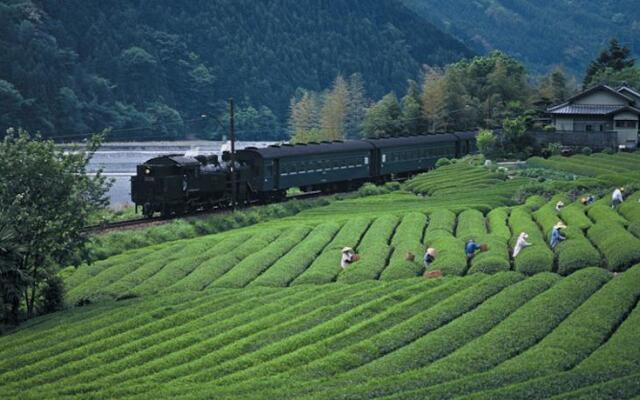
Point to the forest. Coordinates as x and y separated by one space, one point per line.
159 70
540 33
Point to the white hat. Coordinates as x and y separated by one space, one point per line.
431 251
524 235
345 249
560 225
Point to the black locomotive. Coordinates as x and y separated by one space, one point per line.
175 184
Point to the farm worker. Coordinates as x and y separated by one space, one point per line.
347 257
559 206
429 256
471 248
556 237
616 197
587 200
521 243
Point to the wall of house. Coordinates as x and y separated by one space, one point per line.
627 135
601 98
563 123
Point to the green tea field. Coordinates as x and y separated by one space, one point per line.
266 312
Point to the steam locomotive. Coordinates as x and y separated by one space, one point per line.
175 184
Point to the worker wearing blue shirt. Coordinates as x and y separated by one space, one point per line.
471 248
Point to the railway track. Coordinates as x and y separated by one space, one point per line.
140 222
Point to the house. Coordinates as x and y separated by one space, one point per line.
600 111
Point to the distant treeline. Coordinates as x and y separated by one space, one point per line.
153 69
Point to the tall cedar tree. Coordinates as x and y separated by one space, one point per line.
334 110
615 57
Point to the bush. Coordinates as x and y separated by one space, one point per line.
574 216
620 248
440 222
497 223
255 264
442 162
407 239
493 260
451 259
52 295
535 258
326 267
299 258
586 151
373 250
470 225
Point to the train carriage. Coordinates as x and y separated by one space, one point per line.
399 156
313 166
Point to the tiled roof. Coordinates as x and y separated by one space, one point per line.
589 109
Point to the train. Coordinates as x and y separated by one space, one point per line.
175 184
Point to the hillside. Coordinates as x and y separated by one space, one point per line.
80 66
265 311
540 33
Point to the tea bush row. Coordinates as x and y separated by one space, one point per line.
255 264
326 266
294 263
407 240
373 250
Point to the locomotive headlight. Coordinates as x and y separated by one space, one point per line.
147 171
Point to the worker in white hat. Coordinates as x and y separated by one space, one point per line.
559 206
521 244
616 197
556 237
429 256
347 257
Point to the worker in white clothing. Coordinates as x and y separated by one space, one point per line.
521 243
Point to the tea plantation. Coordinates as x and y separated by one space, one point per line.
266 311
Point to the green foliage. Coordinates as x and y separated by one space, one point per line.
110 244
47 198
537 257
442 162
620 248
407 240
295 262
374 251
383 119
486 141
586 151
326 266
154 70
255 264
615 58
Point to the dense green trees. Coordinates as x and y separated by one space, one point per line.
46 198
152 69
614 58
540 33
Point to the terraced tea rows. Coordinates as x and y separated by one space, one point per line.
267 312
390 247
482 336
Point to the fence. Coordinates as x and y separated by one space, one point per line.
595 140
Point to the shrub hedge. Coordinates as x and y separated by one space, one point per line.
535 258
471 225
620 248
287 268
451 259
253 265
407 239
497 223
373 250
326 267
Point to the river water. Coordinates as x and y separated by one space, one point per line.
118 161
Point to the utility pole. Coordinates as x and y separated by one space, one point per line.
232 137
